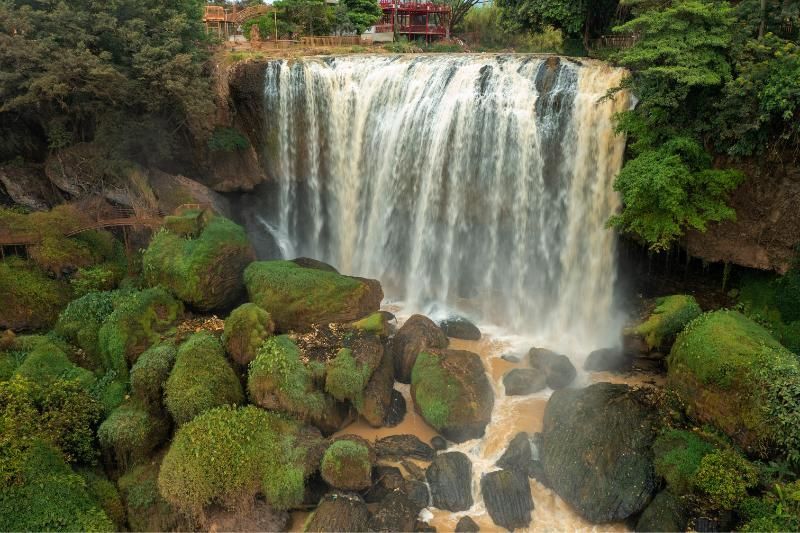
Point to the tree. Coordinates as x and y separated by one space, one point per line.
459 10
305 17
363 13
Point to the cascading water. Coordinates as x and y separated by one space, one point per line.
482 183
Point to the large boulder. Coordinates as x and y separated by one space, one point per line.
734 375
524 381
508 500
596 450
246 329
459 327
518 455
450 479
558 370
199 258
31 299
297 297
396 512
668 318
418 333
452 393
27 185
339 511
132 432
376 404
347 464
664 513
607 359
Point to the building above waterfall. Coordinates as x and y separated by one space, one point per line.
417 21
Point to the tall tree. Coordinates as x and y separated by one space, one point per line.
363 13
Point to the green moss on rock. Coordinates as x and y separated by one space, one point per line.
733 374
375 323
147 510
297 297
138 321
201 379
346 377
677 457
150 372
80 322
670 315
723 479
346 464
227 456
246 329
46 361
105 493
31 299
132 432
206 271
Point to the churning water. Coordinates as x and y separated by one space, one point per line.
481 183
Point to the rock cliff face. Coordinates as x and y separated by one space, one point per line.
767 226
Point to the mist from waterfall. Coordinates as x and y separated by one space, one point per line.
475 182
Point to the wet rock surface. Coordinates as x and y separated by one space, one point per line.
459 327
401 446
607 359
340 511
438 443
518 455
596 450
418 333
524 381
397 409
507 497
449 477
664 513
558 369
396 512
385 480
467 525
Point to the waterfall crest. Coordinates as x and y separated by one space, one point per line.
479 182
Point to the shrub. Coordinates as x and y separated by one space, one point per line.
150 372
206 271
46 360
105 493
346 465
346 378
147 510
80 322
31 300
277 379
228 455
245 331
201 379
49 497
733 374
724 477
131 431
137 322
778 510
670 316
103 277
227 140
677 457
110 391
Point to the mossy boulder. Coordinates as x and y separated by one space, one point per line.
452 393
46 359
139 320
376 404
346 377
246 329
105 493
31 299
150 373
377 323
339 512
297 297
677 458
49 496
418 333
228 456
82 319
668 318
347 464
201 379
132 432
147 510
733 374
665 513
205 271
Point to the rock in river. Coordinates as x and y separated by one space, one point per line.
508 500
450 480
417 334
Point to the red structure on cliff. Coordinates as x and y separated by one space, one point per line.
415 20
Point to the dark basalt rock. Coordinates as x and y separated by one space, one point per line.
459 327
596 450
536 471
378 395
518 455
438 443
664 513
400 446
417 492
423 527
511 358
417 334
397 410
606 359
508 500
523 381
558 369
394 513
450 480
416 472
467 525
340 511
385 480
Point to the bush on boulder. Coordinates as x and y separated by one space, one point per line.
147 510
297 297
246 329
452 393
204 272
31 299
80 322
733 374
228 456
132 432
347 464
46 359
201 379
670 315
150 373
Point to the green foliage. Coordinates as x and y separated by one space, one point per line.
46 360
147 510
60 413
31 299
724 477
80 322
132 431
436 392
49 496
204 272
227 140
346 378
246 329
304 17
669 317
278 373
150 372
773 302
105 493
778 510
748 382
229 455
678 455
345 461
583 18
363 13
137 322
201 379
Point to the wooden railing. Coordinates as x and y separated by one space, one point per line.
330 40
617 42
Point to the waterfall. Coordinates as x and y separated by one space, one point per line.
479 182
